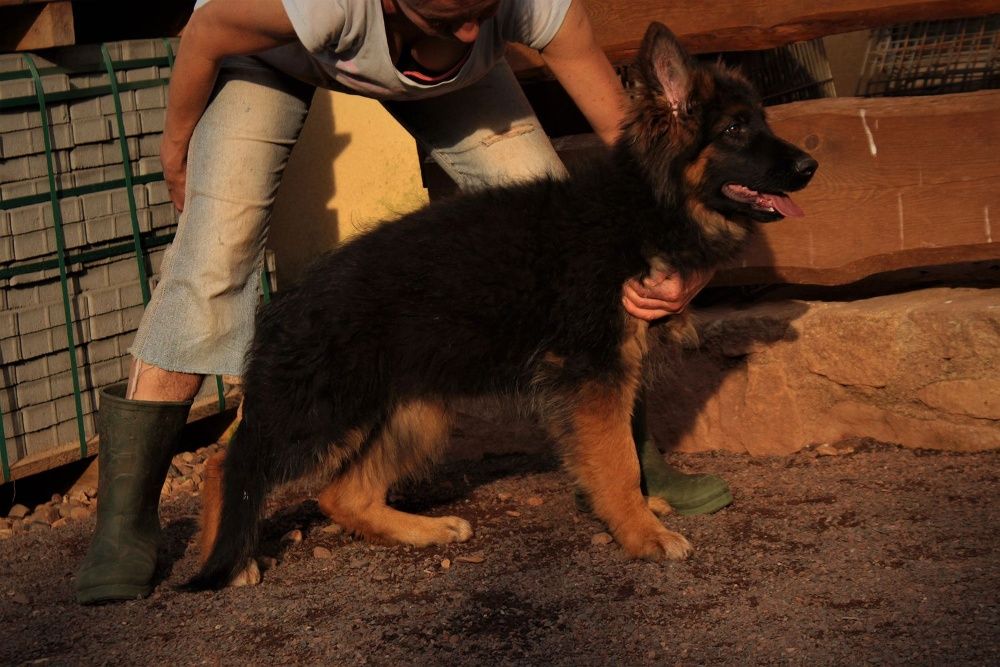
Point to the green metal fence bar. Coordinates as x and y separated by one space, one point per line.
78 93
135 63
170 54
61 253
27 200
148 241
140 259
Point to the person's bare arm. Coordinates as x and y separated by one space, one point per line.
218 29
581 67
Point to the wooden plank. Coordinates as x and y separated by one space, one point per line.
923 191
903 182
706 27
29 27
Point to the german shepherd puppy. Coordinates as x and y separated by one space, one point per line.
515 290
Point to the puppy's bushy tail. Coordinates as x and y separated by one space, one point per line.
246 482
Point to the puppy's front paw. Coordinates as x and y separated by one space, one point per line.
649 540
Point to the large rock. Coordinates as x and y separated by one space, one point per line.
919 369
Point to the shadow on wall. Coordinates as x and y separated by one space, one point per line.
353 167
302 223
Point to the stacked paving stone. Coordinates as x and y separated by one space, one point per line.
36 388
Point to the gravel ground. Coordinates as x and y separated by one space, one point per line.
861 552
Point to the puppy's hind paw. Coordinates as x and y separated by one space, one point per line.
249 576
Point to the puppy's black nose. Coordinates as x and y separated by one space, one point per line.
805 166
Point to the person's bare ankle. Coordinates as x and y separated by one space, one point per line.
151 383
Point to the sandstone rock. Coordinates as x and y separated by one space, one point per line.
970 397
18 511
920 369
78 513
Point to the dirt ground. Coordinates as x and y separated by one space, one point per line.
882 555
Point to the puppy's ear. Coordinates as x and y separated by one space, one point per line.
664 65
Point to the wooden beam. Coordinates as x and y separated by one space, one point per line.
750 25
902 183
36 25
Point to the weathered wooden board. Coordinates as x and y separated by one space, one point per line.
36 25
902 182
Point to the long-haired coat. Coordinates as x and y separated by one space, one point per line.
514 290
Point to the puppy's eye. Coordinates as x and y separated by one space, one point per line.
735 130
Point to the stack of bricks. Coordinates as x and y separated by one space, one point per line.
36 388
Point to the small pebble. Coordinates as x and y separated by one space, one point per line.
601 539
535 501
322 553
503 497
477 557
446 564
332 529
292 536
512 513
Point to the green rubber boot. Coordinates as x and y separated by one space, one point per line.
686 494
137 443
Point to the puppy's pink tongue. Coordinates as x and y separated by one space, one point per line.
783 204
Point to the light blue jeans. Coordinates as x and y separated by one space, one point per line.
200 319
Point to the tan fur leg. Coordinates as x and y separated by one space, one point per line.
356 499
211 504
211 511
597 438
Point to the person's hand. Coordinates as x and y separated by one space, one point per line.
662 292
174 160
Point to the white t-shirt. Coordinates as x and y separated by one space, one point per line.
342 46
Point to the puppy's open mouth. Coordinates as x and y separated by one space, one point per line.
778 203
